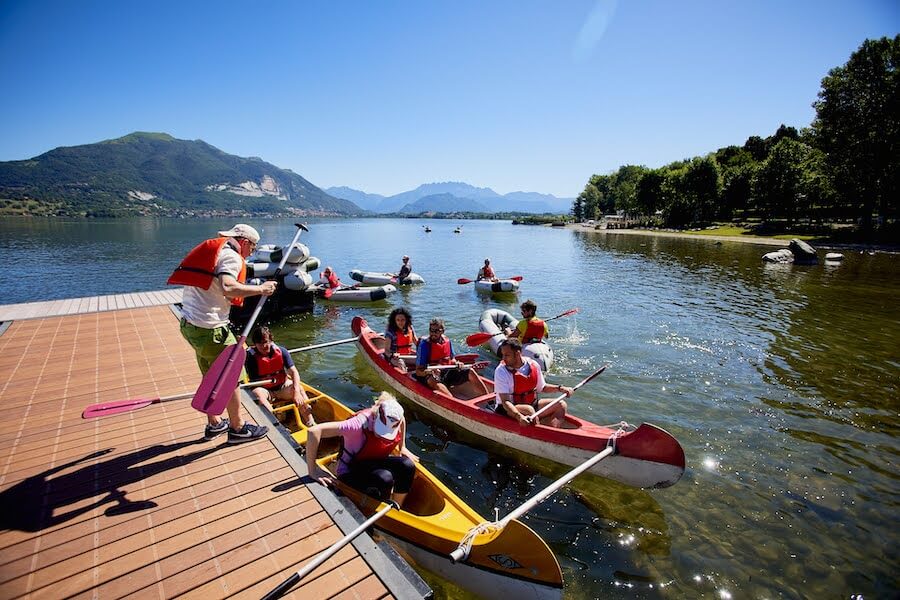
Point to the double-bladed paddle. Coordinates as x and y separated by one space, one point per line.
475 365
222 378
105 409
477 339
533 418
463 280
119 406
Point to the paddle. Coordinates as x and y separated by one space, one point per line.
477 339
115 407
465 545
323 345
463 358
221 380
294 579
476 365
463 280
533 418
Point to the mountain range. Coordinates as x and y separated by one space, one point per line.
454 196
156 174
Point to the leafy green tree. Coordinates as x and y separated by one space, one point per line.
578 209
857 126
781 184
650 194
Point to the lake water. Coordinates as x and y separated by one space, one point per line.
780 381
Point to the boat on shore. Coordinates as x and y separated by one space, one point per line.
495 321
512 563
646 456
373 278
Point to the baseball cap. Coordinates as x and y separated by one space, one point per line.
242 231
392 412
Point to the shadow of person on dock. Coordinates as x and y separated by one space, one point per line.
40 501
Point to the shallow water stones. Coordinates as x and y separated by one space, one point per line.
803 253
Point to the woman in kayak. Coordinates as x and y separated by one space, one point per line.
400 337
373 458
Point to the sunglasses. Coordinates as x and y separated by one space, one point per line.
435 330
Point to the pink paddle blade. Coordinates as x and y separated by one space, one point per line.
221 380
116 407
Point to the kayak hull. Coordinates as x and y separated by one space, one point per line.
646 457
361 294
433 520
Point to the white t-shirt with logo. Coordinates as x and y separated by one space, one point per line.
209 308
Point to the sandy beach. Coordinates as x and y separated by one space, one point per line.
716 238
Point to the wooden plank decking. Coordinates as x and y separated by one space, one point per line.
137 503
77 306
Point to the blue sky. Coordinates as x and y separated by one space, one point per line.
384 95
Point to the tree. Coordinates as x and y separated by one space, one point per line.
779 186
857 126
623 188
650 195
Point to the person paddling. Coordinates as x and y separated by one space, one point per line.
437 349
530 329
267 359
405 270
214 275
486 272
374 458
518 381
400 337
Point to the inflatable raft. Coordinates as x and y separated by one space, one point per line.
487 286
372 278
355 294
294 293
494 321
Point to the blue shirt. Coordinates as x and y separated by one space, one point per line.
250 363
424 351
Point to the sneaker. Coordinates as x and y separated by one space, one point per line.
248 433
214 431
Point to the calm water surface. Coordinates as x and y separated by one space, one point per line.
780 381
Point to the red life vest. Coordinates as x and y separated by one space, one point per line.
534 331
332 279
199 266
271 366
440 354
487 272
525 386
374 447
404 342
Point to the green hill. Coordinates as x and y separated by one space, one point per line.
156 174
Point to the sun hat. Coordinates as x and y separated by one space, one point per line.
393 414
242 231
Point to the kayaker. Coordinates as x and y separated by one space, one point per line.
518 381
268 359
400 337
486 272
330 279
405 269
435 350
213 276
373 458
530 329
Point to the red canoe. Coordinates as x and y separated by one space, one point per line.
647 457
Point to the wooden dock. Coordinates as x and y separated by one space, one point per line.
137 504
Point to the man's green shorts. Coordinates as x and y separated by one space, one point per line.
208 344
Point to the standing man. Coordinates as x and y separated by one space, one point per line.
486 272
518 381
530 329
267 359
405 270
213 274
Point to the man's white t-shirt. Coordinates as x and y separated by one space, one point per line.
209 308
503 379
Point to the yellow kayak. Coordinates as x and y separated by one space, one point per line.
433 521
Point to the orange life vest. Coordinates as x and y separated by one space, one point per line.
332 279
487 272
441 353
199 266
270 366
525 386
534 331
374 447
404 342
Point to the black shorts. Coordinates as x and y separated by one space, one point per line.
450 377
